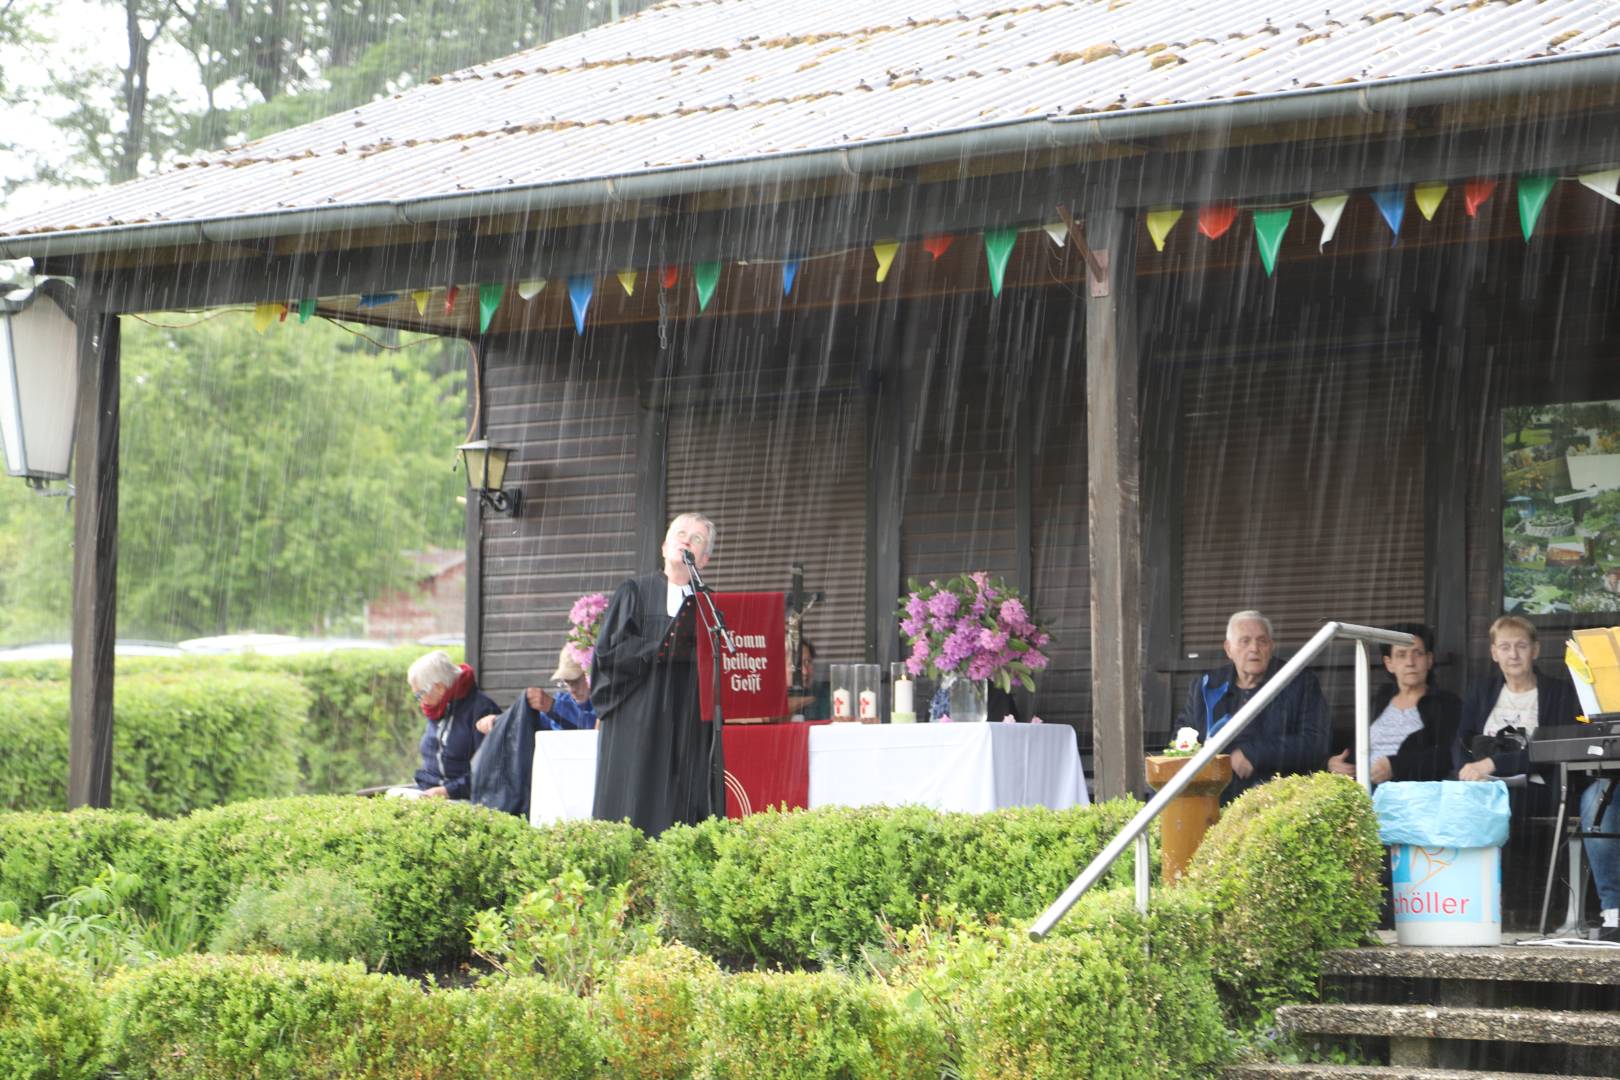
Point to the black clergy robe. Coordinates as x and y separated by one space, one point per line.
653 751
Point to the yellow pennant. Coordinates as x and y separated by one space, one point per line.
1159 223
264 315
885 251
419 297
1428 197
1058 231
627 278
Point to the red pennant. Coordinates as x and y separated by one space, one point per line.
1213 221
938 245
671 275
450 299
284 310
1475 193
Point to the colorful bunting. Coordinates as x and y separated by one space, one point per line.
528 290
627 280
998 245
1159 224
489 299
1059 232
1428 197
669 276
376 299
1213 221
1533 192
705 275
1476 193
937 245
885 250
1605 182
263 316
419 297
282 317
450 295
580 288
1269 227
306 308
790 270
1329 209
1391 202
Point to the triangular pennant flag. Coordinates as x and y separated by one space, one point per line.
580 288
937 245
884 250
306 308
1391 202
1605 182
1213 221
998 245
627 280
1533 192
790 270
1269 227
1329 209
263 316
1058 231
489 299
1428 197
671 274
376 299
528 290
1475 194
282 315
450 295
419 297
1159 224
705 275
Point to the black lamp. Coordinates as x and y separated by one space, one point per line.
486 473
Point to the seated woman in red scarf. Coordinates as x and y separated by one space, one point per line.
450 699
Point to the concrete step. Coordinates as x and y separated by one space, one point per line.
1592 966
1275 1071
1505 1025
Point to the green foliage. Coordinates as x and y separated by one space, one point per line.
50 1024
650 1010
49 854
1293 870
571 932
93 927
798 887
182 741
318 914
803 1026
524 1028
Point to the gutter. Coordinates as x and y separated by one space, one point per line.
1521 77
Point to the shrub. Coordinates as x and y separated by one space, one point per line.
802 1026
570 931
650 1010
522 1029
93 927
1109 995
798 887
314 915
50 1025
49 854
181 741
1293 870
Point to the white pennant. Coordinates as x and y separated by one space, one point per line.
1058 231
1329 208
530 289
1606 183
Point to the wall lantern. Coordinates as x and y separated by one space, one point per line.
486 474
39 373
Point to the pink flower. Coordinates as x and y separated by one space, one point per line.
944 718
1011 719
1036 720
943 604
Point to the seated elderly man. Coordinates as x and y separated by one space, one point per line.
1290 735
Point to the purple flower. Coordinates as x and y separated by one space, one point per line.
943 604
911 627
1014 617
1035 660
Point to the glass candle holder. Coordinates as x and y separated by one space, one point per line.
843 692
868 683
902 694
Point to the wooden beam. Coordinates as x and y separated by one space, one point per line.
1113 488
95 565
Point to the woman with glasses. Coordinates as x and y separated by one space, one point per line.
565 707
450 699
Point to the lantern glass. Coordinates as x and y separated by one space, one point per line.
485 464
39 389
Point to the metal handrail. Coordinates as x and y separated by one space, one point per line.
1136 829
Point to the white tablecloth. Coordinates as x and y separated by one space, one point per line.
972 767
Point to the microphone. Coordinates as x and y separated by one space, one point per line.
686 557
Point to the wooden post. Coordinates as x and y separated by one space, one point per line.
1113 487
95 564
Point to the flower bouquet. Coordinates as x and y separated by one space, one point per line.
585 621
1185 744
972 627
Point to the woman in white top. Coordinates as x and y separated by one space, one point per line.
1414 724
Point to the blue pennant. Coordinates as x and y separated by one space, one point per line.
377 299
580 288
1392 204
790 270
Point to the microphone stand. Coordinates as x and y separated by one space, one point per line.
715 625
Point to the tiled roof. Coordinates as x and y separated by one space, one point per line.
696 82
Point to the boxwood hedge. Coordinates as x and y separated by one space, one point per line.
50 1022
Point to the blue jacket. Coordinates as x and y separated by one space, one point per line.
1289 736
449 764
566 714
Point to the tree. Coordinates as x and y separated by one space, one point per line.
1515 418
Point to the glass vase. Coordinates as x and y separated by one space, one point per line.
967 699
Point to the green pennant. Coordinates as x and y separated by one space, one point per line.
1269 226
1533 192
306 308
998 245
489 299
705 275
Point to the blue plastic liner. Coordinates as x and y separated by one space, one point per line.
1442 813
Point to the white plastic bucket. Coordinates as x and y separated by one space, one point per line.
1447 896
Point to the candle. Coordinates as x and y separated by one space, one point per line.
902 696
840 704
869 706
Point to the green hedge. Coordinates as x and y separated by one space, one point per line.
800 887
47 854
650 1009
179 741
1293 870
50 1022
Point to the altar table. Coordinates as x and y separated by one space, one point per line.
969 767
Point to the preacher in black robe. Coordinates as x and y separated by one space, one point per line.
654 754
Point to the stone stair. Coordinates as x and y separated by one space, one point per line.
1511 1011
